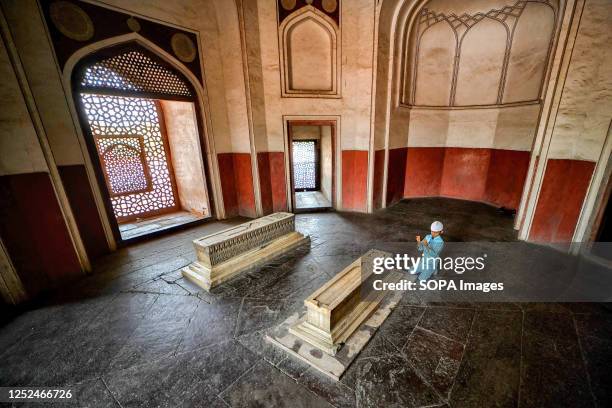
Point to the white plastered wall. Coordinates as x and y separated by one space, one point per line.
223 99
187 165
354 107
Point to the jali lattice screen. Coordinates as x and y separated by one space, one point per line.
133 71
132 152
304 165
124 164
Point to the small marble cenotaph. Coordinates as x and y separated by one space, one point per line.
224 254
340 317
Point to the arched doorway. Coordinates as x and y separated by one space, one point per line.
142 127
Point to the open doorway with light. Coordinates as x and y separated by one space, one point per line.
141 123
311 156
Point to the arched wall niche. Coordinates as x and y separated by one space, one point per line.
501 52
207 145
436 65
309 54
481 138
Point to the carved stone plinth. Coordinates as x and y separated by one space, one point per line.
339 307
224 254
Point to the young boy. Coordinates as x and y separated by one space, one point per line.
431 247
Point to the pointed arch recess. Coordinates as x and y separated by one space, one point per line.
530 26
309 54
207 145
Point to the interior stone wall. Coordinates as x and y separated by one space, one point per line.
32 226
580 128
354 107
17 133
216 25
183 140
305 132
474 120
326 163
477 53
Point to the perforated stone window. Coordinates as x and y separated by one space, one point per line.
133 71
132 149
304 165
123 160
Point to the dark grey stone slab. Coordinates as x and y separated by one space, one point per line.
400 324
256 342
597 356
219 365
281 282
490 370
161 286
452 323
257 314
160 332
190 379
94 347
437 358
334 392
211 324
265 386
77 353
552 366
159 384
389 381
595 334
378 347
292 366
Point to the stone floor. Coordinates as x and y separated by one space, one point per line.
135 334
310 200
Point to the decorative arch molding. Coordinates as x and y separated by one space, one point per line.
479 68
310 56
436 66
516 77
201 100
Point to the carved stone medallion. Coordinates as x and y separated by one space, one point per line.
288 4
329 5
183 47
133 24
71 20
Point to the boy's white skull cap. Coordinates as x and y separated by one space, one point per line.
437 226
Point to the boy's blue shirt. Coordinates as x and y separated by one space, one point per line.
434 247
431 251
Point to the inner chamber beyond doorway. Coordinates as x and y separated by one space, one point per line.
141 125
311 164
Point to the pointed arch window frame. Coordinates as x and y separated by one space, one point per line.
104 54
78 87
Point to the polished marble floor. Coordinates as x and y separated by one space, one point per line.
135 334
